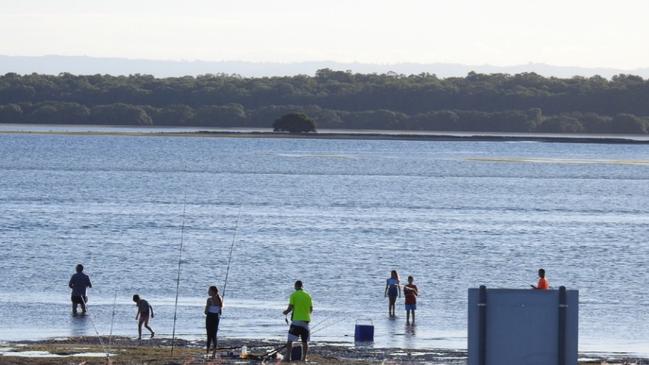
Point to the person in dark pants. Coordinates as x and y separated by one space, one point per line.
144 312
300 306
79 282
213 309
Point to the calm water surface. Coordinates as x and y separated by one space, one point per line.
337 214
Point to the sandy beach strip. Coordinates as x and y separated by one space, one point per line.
374 135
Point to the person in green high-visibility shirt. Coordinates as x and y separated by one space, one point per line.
301 306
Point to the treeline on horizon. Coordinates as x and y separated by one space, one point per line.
524 102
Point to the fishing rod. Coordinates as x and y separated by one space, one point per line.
94 325
325 322
234 239
180 258
112 321
90 315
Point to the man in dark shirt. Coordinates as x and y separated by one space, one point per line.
78 283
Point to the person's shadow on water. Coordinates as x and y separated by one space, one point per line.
410 332
79 325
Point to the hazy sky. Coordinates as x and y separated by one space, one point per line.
500 32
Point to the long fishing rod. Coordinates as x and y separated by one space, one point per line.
112 321
234 239
94 325
319 328
90 315
180 258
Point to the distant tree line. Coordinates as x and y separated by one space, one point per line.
333 99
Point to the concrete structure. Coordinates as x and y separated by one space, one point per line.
523 327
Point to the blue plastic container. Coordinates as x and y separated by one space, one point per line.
364 331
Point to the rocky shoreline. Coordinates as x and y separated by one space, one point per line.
124 350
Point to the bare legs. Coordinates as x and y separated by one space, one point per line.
144 320
391 306
289 350
408 316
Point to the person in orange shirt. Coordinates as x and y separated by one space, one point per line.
543 283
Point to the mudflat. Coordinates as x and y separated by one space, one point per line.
128 351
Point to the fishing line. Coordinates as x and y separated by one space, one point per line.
94 325
234 239
319 329
112 321
327 322
322 322
180 258
90 315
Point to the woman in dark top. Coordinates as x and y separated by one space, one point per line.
213 309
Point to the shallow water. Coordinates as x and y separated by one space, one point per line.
336 214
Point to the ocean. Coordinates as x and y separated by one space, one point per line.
336 214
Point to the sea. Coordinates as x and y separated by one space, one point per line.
139 212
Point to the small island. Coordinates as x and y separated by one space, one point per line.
294 123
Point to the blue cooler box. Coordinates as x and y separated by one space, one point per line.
364 331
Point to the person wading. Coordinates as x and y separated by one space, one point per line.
410 292
213 309
301 307
79 282
392 291
543 283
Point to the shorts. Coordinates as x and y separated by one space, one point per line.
411 307
78 299
392 298
296 332
393 291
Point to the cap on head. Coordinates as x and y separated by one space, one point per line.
79 268
298 284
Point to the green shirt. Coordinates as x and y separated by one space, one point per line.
301 302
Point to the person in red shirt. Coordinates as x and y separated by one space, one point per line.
410 292
543 283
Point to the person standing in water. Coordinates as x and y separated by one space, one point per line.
213 309
411 292
79 282
301 306
144 312
392 290
543 283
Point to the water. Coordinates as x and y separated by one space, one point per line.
338 214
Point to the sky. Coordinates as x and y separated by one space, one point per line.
591 33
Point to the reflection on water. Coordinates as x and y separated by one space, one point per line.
80 325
